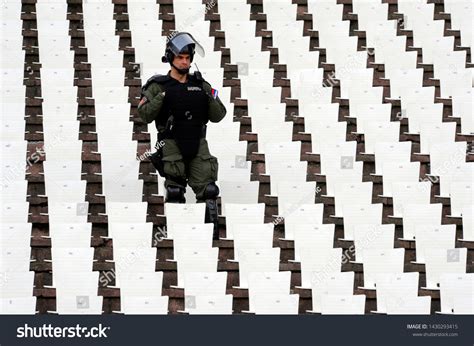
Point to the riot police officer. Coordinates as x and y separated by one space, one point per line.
181 103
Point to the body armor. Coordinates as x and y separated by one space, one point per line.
184 113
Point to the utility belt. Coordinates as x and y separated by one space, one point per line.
168 134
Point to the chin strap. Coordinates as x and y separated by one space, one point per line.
182 71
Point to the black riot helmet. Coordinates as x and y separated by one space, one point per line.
181 43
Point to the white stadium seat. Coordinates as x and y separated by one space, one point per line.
456 293
343 304
131 305
250 261
333 284
315 266
18 306
202 260
381 261
212 305
443 261
392 288
276 304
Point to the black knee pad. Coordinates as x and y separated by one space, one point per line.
175 194
211 191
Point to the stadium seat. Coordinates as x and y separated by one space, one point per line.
360 214
126 211
263 260
16 258
461 196
381 261
443 261
252 237
419 214
201 285
122 191
18 306
332 284
180 229
262 284
343 304
212 305
385 152
117 170
394 288
71 284
286 172
243 213
14 212
276 304
327 134
131 305
303 214
313 236
237 192
319 112
14 191
315 265
409 193
409 306
141 284
202 260
433 237
16 234
372 236
467 223
337 175
188 241
132 260
79 305
58 191
292 195
444 157
184 213
18 285
349 194
397 173
367 113
456 293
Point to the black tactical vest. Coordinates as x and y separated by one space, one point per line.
186 105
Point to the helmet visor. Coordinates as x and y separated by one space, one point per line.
181 40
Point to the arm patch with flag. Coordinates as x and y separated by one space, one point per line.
214 93
143 101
